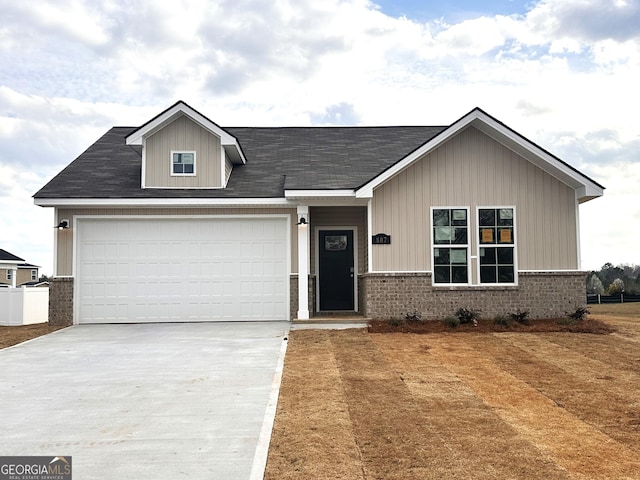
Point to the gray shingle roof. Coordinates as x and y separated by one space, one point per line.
27 265
292 158
9 257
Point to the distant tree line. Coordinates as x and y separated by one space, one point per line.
613 280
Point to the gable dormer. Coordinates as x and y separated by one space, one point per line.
181 148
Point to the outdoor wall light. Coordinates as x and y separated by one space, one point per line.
64 223
302 221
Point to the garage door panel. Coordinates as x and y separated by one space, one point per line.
153 270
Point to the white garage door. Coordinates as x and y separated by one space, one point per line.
173 270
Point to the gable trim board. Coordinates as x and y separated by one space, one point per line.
585 188
385 179
177 110
473 170
146 136
8 265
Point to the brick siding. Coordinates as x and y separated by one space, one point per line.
543 294
391 295
61 301
293 298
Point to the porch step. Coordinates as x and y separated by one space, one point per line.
333 319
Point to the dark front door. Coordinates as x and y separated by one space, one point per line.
336 270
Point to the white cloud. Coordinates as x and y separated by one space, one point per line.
563 74
67 20
49 132
26 230
609 225
475 37
340 114
579 21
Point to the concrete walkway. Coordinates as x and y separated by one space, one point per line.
154 401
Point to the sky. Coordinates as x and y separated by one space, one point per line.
563 73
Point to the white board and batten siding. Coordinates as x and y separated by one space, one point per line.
333 217
184 134
181 269
472 170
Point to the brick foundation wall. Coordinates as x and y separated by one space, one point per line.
61 301
543 294
293 296
391 295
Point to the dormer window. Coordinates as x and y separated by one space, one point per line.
183 163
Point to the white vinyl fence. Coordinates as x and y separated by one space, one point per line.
24 306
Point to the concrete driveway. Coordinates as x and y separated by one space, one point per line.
193 400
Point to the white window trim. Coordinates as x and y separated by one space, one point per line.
514 245
9 273
193 152
434 246
34 275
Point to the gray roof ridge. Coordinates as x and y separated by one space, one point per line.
326 127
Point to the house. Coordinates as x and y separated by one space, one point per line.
14 271
182 220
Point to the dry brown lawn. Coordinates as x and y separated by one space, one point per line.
358 405
14 335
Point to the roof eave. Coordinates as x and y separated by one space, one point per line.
228 141
535 154
586 193
162 202
307 193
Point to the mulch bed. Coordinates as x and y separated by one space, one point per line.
588 325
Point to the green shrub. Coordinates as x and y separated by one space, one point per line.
451 322
396 322
579 314
413 317
519 316
467 315
502 320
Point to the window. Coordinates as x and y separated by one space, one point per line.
496 236
34 275
334 243
9 274
183 163
450 245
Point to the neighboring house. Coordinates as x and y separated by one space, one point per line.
183 220
15 272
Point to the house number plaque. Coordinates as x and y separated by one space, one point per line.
381 239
